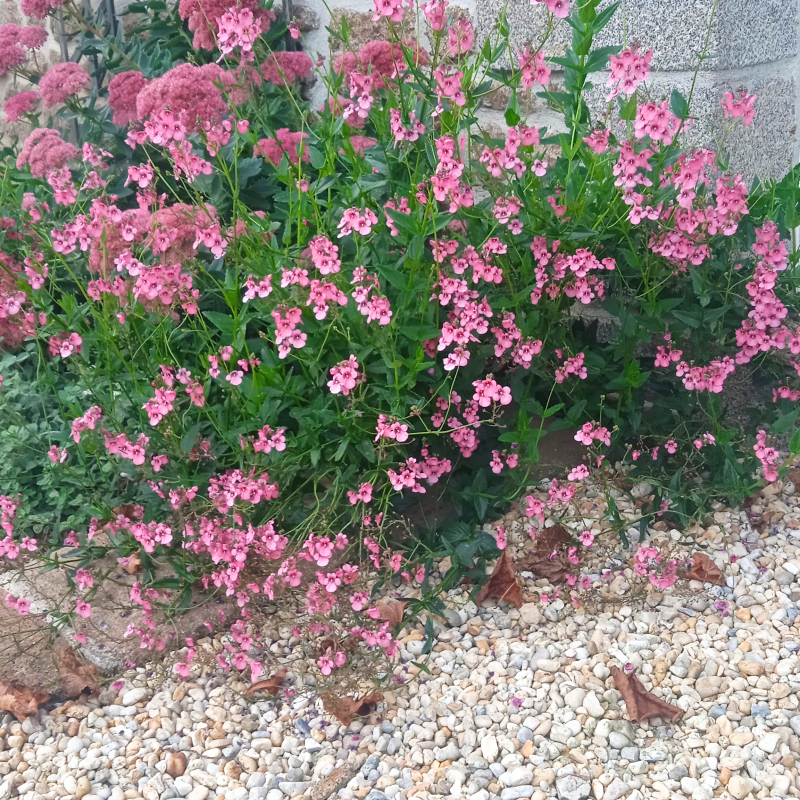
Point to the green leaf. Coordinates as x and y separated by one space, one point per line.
785 422
794 442
628 110
223 322
678 104
248 167
189 438
599 58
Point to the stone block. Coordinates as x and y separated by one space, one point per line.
742 33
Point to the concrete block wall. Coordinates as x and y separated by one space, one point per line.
749 44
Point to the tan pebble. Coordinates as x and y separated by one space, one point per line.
789 761
527 749
317 735
72 728
445 730
22 766
659 672
745 646
751 668
179 693
232 770
743 614
724 776
83 788
176 764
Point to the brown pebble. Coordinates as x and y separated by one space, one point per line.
72 728
232 770
176 764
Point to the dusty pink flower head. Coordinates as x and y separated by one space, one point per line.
361 143
32 37
285 141
44 150
191 93
12 53
62 81
39 8
286 66
203 18
380 59
19 104
122 91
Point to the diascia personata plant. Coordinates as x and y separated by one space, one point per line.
290 321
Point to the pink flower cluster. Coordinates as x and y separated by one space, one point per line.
64 344
20 104
286 143
743 107
86 422
590 432
238 27
61 82
287 333
204 17
44 150
119 445
628 70
345 376
411 472
571 366
768 456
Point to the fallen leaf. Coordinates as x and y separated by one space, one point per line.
640 703
391 611
134 564
705 570
76 674
548 558
346 708
21 701
502 583
794 476
269 685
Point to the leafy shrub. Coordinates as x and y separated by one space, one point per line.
280 321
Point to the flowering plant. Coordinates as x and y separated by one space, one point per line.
287 322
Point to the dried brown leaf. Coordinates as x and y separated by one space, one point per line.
502 584
347 708
20 700
548 558
134 564
77 676
705 570
269 685
391 611
640 703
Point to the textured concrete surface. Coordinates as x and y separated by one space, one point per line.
751 44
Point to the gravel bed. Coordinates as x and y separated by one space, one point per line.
516 703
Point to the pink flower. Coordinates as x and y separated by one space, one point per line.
20 104
586 538
122 91
57 455
183 669
39 9
363 495
44 150
578 473
500 538
203 18
83 609
240 660
743 107
80 638
61 82
325 665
